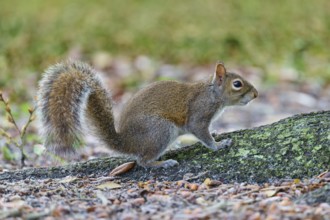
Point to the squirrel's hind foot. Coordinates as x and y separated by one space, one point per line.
160 164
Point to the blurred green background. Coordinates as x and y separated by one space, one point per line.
266 34
266 39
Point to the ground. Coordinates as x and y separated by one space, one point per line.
116 198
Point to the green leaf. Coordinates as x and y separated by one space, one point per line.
38 149
7 154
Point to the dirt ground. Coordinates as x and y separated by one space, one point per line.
115 198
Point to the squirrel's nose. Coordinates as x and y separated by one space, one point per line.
255 94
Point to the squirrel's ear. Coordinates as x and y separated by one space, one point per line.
219 73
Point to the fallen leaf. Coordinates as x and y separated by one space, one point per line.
181 183
201 201
124 168
209 182
141 184
109 185
296 181
91 209
68 179
270 192
193 186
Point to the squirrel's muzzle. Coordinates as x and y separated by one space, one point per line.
255 93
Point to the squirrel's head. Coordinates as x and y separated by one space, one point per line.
234 89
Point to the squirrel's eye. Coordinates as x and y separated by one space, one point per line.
237 84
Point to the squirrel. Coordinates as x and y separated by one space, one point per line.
71 95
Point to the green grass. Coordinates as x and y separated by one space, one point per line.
283 33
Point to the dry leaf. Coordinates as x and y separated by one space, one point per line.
68 179
124 168
201 201
209 182
193 186
270 192
109 185
296 181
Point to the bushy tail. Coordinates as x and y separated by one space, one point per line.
69 92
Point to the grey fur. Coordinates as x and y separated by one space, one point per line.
71 92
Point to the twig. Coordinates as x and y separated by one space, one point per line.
21 132
245 193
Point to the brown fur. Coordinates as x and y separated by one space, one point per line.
150 121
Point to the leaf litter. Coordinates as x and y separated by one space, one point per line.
118 198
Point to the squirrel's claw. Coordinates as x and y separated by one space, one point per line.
224 143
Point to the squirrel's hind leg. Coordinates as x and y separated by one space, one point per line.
157 136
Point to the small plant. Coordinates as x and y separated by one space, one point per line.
21 131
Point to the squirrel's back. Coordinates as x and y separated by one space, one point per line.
168 99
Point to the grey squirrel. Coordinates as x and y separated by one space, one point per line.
71 94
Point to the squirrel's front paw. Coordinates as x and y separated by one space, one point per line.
224 143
